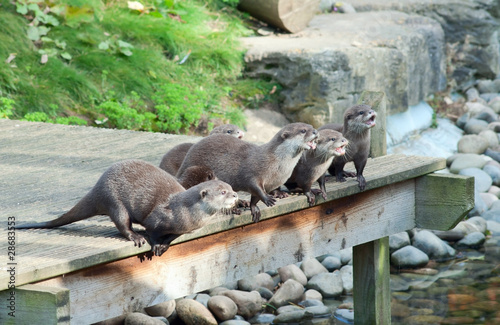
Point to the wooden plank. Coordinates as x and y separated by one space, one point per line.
443 200
371 270
371 274
32 304
206 262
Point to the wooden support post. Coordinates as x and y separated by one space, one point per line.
33 304
372 295
371 274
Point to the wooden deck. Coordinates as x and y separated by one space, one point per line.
46 169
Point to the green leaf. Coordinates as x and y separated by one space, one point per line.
58 9
47 39
33 33
126 51
34 7
22 8
156 14
169 3
104 45
66 56
123 44
61 44
42 30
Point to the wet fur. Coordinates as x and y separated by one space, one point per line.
172 160
313 165
249 167
135 191
357 133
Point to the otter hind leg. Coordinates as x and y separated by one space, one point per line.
122 221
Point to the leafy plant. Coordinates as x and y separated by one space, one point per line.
6 107
115 46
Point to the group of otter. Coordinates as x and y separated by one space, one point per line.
196 181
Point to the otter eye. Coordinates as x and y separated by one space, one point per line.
303 131
361 113
230 131
333 139
223 192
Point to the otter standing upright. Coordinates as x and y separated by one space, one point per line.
358 120
313 164
249 167
135 191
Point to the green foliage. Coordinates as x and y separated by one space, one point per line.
162 69
178 107
6 107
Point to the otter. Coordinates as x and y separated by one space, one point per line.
358 120
252 168
313 164
195 175
172 160
135 191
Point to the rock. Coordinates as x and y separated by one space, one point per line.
345 315
142 319
488 199
475 126
249 303
328 284
478 222
449 235
493 227
495 190
324 68
472 143
217 290
263 318
311 267
431 245
466 160
194 313
264 292
331 263
164 309
409 257
235 322
465 228
472 240
487 115
326 5
462 120
259 280
310 303
288 309
491 215
202 298
312 294
495 104
347 280
319 311
488 86
493 153
398 241
494 172
472 95
479 205
222 307
490 136
293 317
290 292
346 255
292 271
494 126
482 181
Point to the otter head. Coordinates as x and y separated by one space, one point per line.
300 136
228 129
359 118
217 195
331 143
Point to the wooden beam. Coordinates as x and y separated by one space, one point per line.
443 200
34 304
227 256
372 297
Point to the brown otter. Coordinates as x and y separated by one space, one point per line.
172 160
358 120
195 175
313 164
252 168
135 191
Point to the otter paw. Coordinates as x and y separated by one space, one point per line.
234 211
270 201
138 240
243 204
349 174
318 192
159 249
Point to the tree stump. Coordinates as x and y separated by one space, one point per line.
290 15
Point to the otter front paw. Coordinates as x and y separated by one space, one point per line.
159 249
269 201
138 240
318 192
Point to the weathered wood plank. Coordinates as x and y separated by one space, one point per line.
227 256
371 270
35 304
443 200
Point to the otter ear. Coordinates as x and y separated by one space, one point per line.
285 135
203 193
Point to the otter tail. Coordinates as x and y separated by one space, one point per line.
82 210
